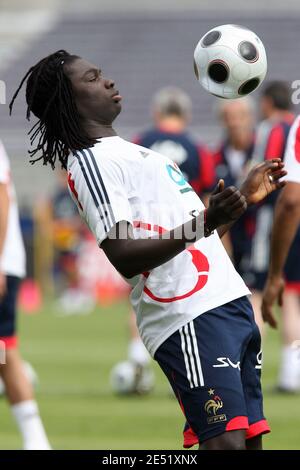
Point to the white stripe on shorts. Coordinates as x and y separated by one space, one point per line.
191 356
194 338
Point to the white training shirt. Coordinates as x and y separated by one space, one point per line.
292 153
116 180
12 261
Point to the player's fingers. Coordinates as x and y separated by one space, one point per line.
234 197
270 319
276 175
268 316
276 160
219 187
228 192
270 166
274 163
280 184
236 203
235 214
274 167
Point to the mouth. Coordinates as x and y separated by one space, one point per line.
116 96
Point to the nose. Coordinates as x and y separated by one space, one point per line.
109 83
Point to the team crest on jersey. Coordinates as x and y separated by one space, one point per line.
212 406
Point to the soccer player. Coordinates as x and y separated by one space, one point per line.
191 305
18 389
286 223
171 110
276 108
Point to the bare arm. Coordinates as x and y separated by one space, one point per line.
4 209
131 257
286 222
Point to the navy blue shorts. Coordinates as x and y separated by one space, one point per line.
214 365
8 312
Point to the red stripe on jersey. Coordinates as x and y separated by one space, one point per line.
72 187
201 263
297 144
199 260
275 144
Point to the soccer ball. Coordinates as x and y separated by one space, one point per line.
230 61
128 378
30 374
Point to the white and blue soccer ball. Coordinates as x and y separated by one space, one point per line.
230 61
129 378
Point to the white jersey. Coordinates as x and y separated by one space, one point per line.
12 261
117 180
292 153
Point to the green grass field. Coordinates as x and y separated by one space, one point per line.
73 356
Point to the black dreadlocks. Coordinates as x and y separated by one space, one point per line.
50 98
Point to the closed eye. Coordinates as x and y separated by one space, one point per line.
92 75
96 76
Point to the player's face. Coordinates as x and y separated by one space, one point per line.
96 96
237 118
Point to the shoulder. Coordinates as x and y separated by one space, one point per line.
105 162
147 137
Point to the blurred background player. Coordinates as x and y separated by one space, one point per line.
171 111
285 229
232 162
18 389
62 233
272 134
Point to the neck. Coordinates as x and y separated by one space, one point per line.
96 130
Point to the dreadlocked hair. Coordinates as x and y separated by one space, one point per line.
50 98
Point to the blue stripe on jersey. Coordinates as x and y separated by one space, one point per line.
88 182
101 184
99 188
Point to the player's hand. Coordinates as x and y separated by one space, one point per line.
225 206
273 292
2 284
262 180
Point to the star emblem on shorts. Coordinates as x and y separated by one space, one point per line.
211 391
